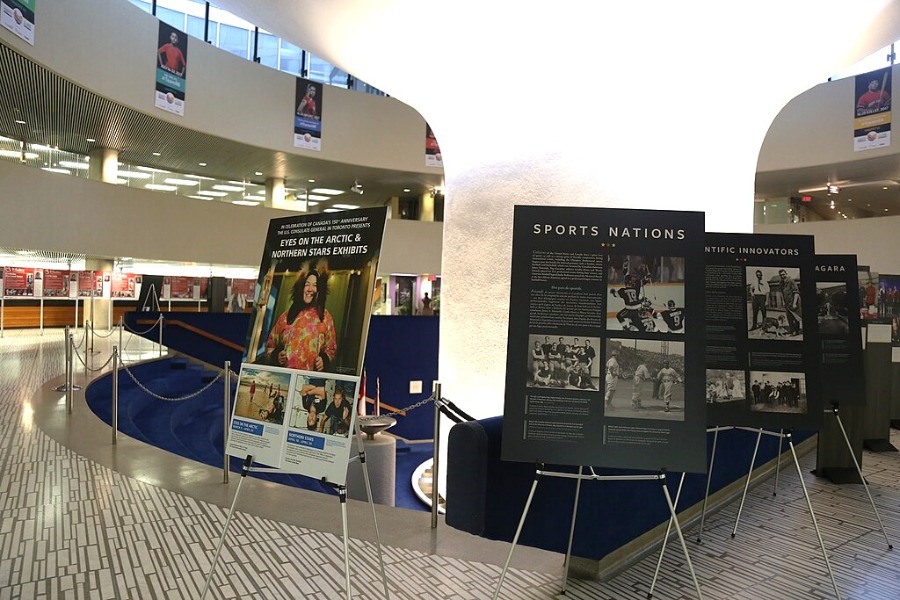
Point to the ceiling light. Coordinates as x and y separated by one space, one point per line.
20 122
160 187
201 177
176 181
150 169
214 194
316 197
244 203
331 210
202 164
157 154
78 166
345 206
26 252
42 147
254 197
406 190
133 175
258 173
312 203
356 188
228 188
17 154
311 180
832 205
68 172
200 197
328 191
90 140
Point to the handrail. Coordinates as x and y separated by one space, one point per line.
193 329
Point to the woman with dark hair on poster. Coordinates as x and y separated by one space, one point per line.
303 336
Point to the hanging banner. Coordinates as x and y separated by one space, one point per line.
872 110
295 407
171 67
123 285
181 288
604 366
308 117
762 345
55 283
86 284
18 17
18 281
433 157
837 314
73 284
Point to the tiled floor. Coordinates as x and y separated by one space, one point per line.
81 518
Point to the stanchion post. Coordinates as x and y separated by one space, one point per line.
121 327
69 376
435 492
115 395
225 421
92 336
87 325
160 333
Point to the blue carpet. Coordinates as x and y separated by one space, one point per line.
193 428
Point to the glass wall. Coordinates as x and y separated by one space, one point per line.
237 36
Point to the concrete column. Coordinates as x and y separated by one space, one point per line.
104 165
426 207
394 205
275 192
97 310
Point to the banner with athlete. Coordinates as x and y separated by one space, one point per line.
308 98
295 405
762 344
603 365
18 17
171 69
872 110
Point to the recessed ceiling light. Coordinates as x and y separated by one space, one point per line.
17 154
317 197
200 197
200 177
20 121
258 173
345 206
884 188
313 203
71 164
68 172
160 187
331 210
328 191
202 164
311 180
176 181
132 175
244 203
406 190
254 197
90 140
228 188
215 194
885 210
150 169
157 154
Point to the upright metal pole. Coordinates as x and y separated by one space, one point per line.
42 316
76 312
121 327
342 494
674 520
225 421
662 550
115 395
160 334
568 559
512 546
747 485
85 332
2 311
70 377
435 492
778 463
712 461
365 469
92 336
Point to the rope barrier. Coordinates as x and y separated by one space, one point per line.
101 336
165 398
84 364
152 327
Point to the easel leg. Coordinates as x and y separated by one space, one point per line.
747 484
515 541
662 550
212 568
812 514
861 478
674 519
712 461
571 531
342 495
778 463
365 470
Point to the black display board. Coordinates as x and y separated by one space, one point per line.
604 356
762 344
838 318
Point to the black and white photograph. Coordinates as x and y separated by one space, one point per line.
563 362
724 386
831 307
645 294
778 392
774 309
644 379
